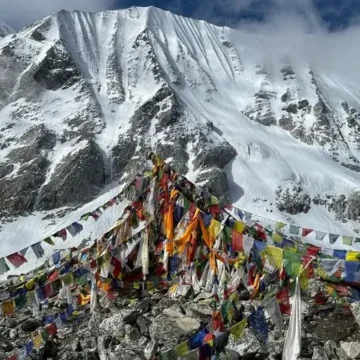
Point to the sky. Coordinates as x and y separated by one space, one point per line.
332 15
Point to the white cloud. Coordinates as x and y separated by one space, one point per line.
297 35
18 13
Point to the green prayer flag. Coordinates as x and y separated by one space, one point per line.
227 235
292 262
186 205
20 302
45 335
68 279
49 241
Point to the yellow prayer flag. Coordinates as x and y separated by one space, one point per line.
136 285
30 284
230 313
280 225
8 307
239 226
214 229
277 237
238 329
150 287
84 299
353 256
37 340
304 279
321 272
173 289
234 297
275 256
182 349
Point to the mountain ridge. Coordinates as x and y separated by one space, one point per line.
93 93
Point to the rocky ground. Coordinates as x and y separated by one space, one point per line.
140 326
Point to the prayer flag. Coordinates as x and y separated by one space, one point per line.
237 241
294 230
237 330
38 250
306 232
3 266
16 259
347 240
182 349
239 226
8 307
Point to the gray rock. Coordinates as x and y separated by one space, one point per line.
215 180
341 354
30 325
248 345
230 355
131 333
355 309
287 123
183 291
319 354
75 345
202 307
72 184
352 349
13 334
143 324
302 104
150 350
88 343
330 349
167 329
174 311
292 108
115 324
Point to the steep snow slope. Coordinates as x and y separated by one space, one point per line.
90 94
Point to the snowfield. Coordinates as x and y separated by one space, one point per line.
217 74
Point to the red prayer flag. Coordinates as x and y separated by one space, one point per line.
117 267
52 329
47 290
310 271
237 241
284 301
306 232
312 250
53 276
16 259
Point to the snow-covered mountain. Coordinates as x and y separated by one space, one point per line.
5 29
84 97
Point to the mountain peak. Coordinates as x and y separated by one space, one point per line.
84 97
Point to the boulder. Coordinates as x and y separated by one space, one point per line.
150 350
248 345
352 349
169 329
30 325
319 354
115 324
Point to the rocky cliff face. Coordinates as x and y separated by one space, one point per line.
84 97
